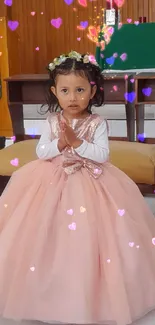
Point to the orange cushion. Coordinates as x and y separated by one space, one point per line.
137 160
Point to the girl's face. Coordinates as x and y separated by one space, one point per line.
73 93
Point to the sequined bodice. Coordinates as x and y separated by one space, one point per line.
85 130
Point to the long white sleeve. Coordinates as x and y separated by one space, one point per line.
98 150
46 148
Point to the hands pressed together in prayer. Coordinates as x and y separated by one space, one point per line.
68 137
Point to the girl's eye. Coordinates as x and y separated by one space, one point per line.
64 91
80 90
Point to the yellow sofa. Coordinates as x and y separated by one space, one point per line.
137 160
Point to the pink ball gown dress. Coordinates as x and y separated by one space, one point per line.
77 240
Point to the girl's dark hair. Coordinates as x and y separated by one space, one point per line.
87 70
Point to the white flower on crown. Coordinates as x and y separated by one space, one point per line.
86 59
51 66
75 55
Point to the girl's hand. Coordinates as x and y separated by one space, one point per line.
62 144
71 137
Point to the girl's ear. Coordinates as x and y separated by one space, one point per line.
53 90
93 92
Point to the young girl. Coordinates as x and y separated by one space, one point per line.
77 240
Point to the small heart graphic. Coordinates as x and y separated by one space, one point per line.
147 91
130 97
14 162
110 30
136 22
119 3
82 209
132 81
126 77
123 57
68 2
33 13
37 48
83 3
56 22
97 171
13 138
102 55
131 244
129 20
110 60
79 39
32 268
153 241
121 212
5 205
120 25
115 55
141 137
72 226
8 3
115 88
137 246
108 260
84 24
70 212
13 24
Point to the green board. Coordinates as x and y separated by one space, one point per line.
137 41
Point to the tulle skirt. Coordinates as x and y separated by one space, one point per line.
75 249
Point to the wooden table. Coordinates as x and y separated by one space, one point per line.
32 89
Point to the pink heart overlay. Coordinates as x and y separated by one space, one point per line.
121 212
153 241
14 162
13 138
131 244
123 56
72 226
70 212
56 22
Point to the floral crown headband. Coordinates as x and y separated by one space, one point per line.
72 55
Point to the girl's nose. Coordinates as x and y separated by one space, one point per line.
72 97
